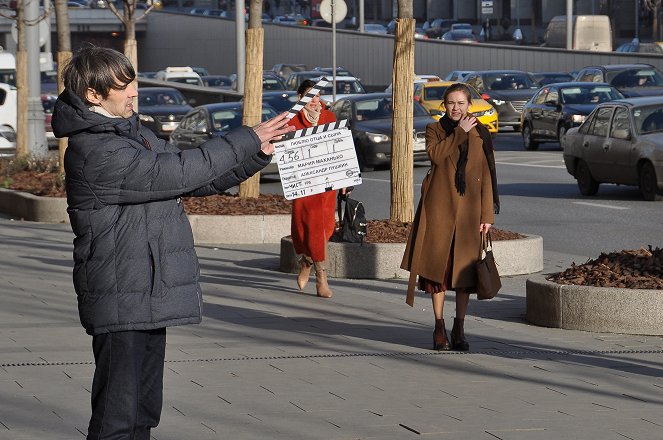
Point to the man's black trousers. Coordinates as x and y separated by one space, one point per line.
127 390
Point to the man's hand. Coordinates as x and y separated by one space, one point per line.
272 130
467 123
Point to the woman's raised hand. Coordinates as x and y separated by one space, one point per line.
467 123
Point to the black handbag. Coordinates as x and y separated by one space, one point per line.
488 279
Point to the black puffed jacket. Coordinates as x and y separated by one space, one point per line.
135 266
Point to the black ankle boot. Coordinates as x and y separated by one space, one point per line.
457 339
440 341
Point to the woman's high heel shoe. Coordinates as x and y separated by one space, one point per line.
457 336
440 341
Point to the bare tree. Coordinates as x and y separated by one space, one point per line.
129 19
18 15
655 7
402 197
253 84
63 57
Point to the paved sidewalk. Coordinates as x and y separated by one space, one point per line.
269 363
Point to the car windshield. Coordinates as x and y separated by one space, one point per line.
165 97
343 87
227 119
509 81
272 84
649 77
589 94
218 82
195 81
370 109
648 119
436 93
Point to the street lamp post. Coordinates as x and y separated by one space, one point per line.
36 133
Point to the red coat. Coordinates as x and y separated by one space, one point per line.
313 217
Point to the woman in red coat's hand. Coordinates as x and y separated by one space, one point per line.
313 217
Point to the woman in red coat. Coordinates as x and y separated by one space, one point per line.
313 217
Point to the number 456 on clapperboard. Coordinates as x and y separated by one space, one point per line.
316 159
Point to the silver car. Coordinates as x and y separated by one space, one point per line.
620 142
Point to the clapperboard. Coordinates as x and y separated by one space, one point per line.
316 159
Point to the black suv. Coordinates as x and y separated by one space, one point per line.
506 90
630 79
161 109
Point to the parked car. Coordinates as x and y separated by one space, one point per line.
270 81
460 37
7 141
291 20
161 109
48 104
340 71
620 142
183 74
212 120
284 70
637 46
457 75
439 26
630 79
544 78
417 79
465 27
370 117
280 100
218 81
375 28
296 78
557 107
202 71
506 90
431 96
345 85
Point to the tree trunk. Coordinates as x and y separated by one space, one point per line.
130 45
63 57
402 197
253 85
22 151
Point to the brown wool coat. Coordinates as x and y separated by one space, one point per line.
444 217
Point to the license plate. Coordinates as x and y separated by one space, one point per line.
419 146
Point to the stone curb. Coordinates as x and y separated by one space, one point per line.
594 309
207 229
383 260
29 207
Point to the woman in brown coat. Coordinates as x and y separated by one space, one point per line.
458 199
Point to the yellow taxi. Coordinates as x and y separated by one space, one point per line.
431 94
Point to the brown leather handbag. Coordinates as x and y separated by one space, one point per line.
488 279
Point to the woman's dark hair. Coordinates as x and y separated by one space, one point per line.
304 86
97 68
458 87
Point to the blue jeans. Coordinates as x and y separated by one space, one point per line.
127 389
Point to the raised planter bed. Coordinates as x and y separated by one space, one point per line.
595 309
29 207
382 260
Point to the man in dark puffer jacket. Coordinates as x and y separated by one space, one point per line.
135 268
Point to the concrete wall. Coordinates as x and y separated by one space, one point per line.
210 42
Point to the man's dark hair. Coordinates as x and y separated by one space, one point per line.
304 86
458 87
97 68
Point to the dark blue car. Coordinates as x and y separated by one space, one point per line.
556 107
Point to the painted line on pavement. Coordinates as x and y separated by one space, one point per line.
530 165
598 205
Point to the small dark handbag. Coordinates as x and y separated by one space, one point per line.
488 279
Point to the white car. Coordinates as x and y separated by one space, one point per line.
345 86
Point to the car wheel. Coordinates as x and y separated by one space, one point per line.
648 186
586 183
561 131
528 143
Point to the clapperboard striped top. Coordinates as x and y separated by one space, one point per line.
316 129
307 98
